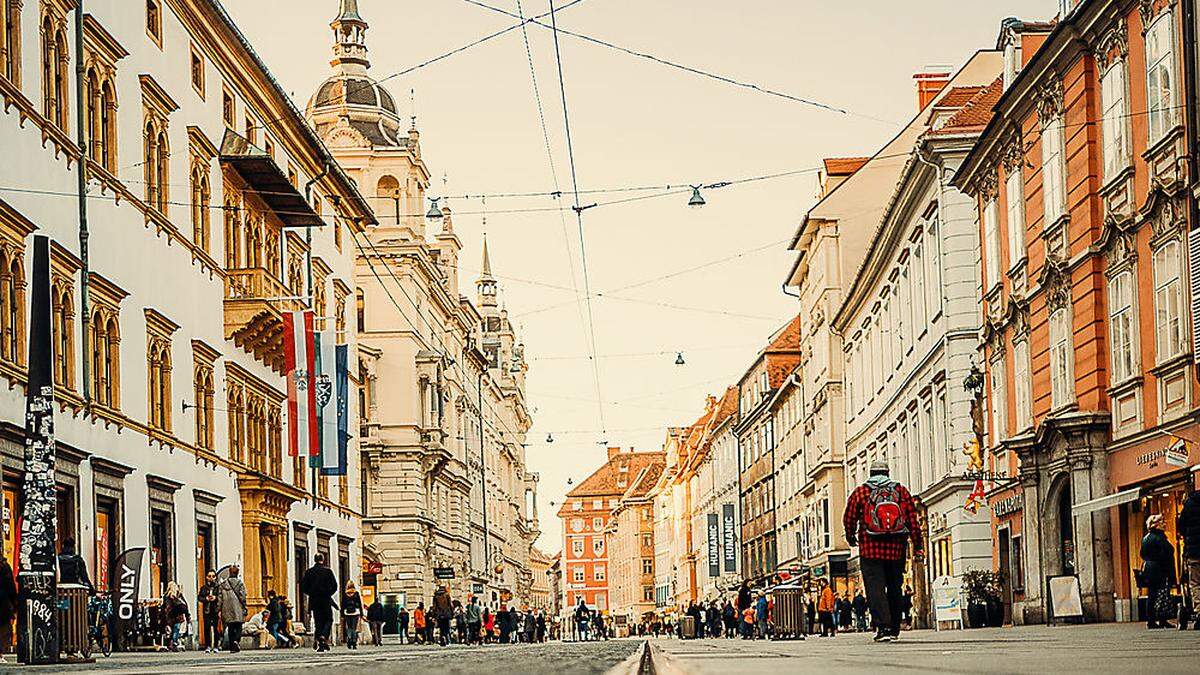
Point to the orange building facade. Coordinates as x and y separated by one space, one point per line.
1083 193
586 516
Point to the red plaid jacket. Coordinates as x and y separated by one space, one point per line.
880 548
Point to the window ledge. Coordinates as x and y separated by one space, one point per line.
1160 146
1056 224
1119 179
1174 363
1126 385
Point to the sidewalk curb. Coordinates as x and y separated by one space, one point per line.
659 662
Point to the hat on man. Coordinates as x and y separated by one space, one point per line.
1155 520
880 466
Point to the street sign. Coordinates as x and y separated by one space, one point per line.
476 587
443 573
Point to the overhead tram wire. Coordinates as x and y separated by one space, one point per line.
562 89
562 219
688 69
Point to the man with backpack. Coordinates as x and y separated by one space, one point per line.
880 519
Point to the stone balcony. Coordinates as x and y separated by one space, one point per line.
255 301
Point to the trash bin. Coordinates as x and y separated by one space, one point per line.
789 611
73 619
687 627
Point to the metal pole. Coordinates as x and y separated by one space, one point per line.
84 273
487 556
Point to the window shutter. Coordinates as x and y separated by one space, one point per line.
1194 283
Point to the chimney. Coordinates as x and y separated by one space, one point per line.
929 85
613 452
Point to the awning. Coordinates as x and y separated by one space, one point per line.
1115 499
267 182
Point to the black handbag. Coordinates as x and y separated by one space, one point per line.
1140 577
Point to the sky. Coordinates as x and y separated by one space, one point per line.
664 278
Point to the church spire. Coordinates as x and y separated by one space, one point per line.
349 40
486 283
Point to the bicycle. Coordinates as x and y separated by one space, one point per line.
100 623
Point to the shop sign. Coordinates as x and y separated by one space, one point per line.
1008 505
370 567
1150 459
714 546
728 537
477 587
443 573
1176 455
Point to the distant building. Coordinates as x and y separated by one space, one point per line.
631 549
585 516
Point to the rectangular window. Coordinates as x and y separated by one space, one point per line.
1168 326
154 20
577 574
1120 320
1022 385
1115 121
198 71
228 108
999 402
991 236
918 293
1053 170
598 573
1062 355
577 547
1160 77
1014 194
647 566
1018 563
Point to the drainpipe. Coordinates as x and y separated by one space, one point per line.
308 242
1191 79
84 273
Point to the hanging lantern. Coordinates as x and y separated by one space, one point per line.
679 358
549 438
696 200
434 212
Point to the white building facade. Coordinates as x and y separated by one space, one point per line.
171 408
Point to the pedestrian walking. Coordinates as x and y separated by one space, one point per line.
582 619
210 612
529 625
880 519
233 608
351 614
1188 525
175 609
906 607
319 584
826 604
402 625
761 615
375 621
443 612
859 606
489 625
845 612
729 618
418 622
285 626
748 623
599 627
1158 573
8 604
810 608
474 620
541 626
460 622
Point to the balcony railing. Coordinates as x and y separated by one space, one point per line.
255 300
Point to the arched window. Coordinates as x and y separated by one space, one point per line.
10 40
254 240
272 252
161 168
200 204
64 358
388 193
150 162
94 104
112 362
99 353
49 68
61 80
108 125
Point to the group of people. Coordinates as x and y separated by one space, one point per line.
448 621
588 624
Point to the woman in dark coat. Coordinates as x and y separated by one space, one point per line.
1158 573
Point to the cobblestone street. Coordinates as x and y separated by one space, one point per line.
1108 648
557 658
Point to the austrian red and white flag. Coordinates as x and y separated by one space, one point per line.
302 402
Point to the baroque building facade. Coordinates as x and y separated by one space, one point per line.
446 493
169 379
1089 325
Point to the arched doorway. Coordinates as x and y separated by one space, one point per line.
1058 536
1066 529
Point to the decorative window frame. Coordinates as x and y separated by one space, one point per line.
204 379
159 360
64 267
101 54
106 298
